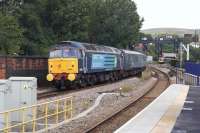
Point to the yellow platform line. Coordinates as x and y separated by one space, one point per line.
168 120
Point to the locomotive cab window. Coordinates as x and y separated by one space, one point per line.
66 52
55 53
72 52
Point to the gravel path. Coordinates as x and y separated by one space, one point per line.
82 100
135 88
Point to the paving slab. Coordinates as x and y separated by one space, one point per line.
189 119
161 114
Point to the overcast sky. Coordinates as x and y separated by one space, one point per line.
169 13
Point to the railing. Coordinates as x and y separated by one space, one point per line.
36 117
191 79
179 76
187 78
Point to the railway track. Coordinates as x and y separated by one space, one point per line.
47 94
54 93
120 117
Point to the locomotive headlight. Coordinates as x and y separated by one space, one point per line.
50 77
71 77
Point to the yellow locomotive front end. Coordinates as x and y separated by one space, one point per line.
62 67
62 64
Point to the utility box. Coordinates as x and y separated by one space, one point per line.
23 93
149 59
4 90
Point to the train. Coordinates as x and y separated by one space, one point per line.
83 64
161 60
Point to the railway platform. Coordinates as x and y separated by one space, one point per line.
175 110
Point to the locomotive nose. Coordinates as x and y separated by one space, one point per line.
67 66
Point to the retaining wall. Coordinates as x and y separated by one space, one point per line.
24 66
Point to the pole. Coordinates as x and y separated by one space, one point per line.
195 38
181 55
188 52
187 49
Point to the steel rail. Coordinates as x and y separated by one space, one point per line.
90 130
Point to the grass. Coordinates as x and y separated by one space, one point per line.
86 103
126 89
146 74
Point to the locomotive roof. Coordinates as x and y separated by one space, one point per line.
88 46
67 44
132 52
93 47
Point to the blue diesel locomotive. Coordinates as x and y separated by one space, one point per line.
85 64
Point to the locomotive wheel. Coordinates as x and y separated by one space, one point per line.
101 78
82 83
74 85
90 80
93 79
139 74
116 77
62 84
57 84
112 77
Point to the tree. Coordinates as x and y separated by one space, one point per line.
146 38
45 22
151 50
11 36
194 54
114 22
29 18
109 22
68 19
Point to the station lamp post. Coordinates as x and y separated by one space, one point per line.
187 50
161 47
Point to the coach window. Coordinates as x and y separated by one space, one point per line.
136 59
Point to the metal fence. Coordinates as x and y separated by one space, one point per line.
186 78
43 116
179 76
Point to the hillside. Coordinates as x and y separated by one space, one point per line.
176 31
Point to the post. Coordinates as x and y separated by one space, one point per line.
65 109
188 52
176 76
71 108
6 121
181 54
46 115
23 120
57 111
34 110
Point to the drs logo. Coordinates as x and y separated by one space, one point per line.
104 61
